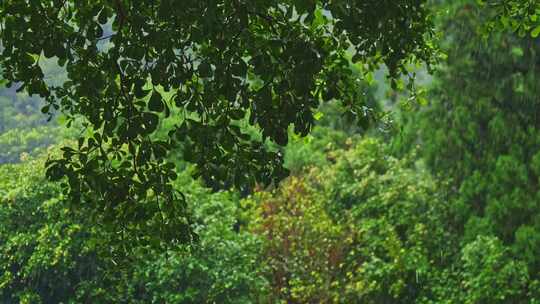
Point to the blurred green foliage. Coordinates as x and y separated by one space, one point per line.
441 208
23 127
481 131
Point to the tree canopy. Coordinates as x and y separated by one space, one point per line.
219 65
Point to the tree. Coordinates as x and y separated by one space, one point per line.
23 127
519 16
212 63
51 253
481 129
367 229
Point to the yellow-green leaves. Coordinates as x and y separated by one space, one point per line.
535 32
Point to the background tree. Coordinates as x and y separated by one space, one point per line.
367 229
481 130
52 253
23 127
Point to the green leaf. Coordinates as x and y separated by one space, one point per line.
151 121
237 114
156 103
535 32
239 69
517 51
205 69
45 109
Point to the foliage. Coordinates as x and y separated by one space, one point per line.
18 110
480 130
333 132
16 142
268 62
445 211
367 229
50 253
491 275
20 126
519 16
223 267
44 253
